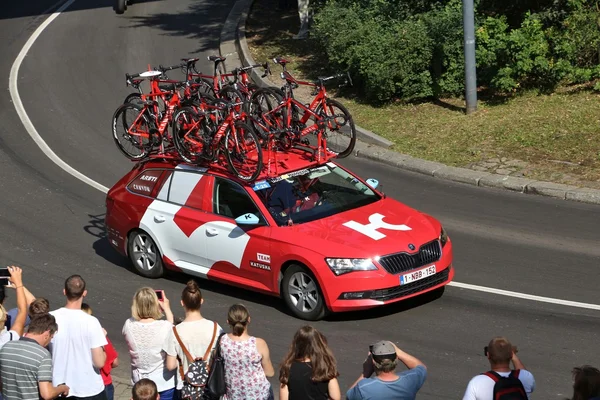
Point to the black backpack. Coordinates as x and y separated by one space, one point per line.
195 378
507 388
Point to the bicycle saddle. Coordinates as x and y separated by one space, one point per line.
216 58
150 74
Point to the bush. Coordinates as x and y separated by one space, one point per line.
414 48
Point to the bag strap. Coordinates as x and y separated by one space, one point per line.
492 375
185 350
515 373
212 341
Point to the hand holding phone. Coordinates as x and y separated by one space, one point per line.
160 294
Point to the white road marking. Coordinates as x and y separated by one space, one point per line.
14 92
525 296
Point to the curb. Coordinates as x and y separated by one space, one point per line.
375 148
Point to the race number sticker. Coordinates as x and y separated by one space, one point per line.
260 185
372 228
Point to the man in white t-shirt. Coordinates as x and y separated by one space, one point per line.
78 346
500 352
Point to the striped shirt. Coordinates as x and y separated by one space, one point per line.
23 364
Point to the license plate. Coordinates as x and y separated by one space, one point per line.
417 275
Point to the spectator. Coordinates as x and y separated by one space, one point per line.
195 332
39 306
112 360
309 370
77 348
586 383
18 327
144 389
500 352
145 334
26 365
12 313
246 359
382 360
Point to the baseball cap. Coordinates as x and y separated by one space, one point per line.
383 350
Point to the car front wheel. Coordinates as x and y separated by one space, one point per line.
302 294
144 255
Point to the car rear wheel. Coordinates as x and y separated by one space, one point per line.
302 294
144 255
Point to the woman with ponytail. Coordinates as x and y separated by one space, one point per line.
246 358
195 332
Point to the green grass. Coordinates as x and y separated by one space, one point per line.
557 134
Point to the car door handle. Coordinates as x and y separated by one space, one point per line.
212 231
159 218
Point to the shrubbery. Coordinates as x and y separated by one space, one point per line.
413 49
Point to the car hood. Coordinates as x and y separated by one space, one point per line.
361 232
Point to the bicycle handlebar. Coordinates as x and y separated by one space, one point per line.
165 69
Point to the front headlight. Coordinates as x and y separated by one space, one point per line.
341 266
443 237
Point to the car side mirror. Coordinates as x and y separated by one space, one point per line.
372 182
247 219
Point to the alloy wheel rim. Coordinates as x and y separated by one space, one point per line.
303 292
144 252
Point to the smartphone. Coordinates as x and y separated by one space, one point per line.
4 275
160 294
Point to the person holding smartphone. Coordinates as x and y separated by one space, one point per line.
145 332
18 327
382 360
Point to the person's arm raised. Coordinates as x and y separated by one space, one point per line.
408 360
16 280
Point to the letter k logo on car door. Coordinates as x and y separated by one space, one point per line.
375 223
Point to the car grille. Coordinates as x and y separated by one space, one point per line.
410 288
402 262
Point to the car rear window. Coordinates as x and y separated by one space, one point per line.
145 182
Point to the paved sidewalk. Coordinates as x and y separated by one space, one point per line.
374 147
122 388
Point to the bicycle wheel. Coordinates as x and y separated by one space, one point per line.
131 129
189 132
243 152
134 98
262 114
341 128
120 6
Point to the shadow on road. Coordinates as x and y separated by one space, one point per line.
47 7
202 21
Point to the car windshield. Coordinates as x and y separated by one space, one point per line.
312 194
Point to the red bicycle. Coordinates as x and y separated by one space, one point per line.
139 129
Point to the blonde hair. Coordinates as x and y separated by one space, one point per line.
145 305
3 315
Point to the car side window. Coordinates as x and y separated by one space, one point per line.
231 200
186 189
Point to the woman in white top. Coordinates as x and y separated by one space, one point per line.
145 334
195 332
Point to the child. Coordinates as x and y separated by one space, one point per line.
111 361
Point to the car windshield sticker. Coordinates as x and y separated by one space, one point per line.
317 172
331 165
264 258
260 185
375 223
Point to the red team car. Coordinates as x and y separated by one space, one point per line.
320 237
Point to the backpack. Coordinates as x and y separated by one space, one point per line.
194 380
507 388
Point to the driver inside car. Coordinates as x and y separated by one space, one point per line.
306 196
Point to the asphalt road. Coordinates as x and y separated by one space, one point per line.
51 224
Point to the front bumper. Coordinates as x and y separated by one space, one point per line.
364 290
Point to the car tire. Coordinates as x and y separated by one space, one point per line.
302 294
120 6
144 255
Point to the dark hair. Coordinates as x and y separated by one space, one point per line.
500 350
2 294
237 318
586 382
312 344
86 308
385 365
42 323
191 296
38 307
144 389
74 287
